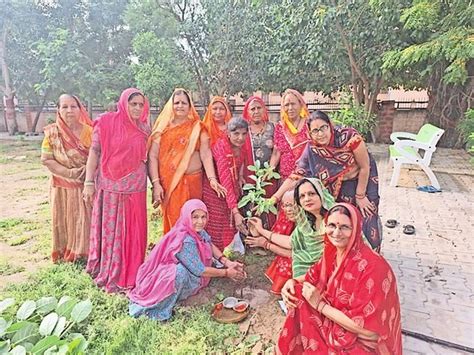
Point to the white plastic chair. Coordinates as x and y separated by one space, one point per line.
406 150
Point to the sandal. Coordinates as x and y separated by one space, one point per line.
409 229
391 223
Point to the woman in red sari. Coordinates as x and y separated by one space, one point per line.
291 133
229 155
348 303
116 174
64 152
215 121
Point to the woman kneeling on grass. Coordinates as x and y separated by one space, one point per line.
179 266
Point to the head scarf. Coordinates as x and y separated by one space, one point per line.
157 276
304 113
122 139
246 113
167 114
211 126
69 139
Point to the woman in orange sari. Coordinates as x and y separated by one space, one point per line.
179 149
64 152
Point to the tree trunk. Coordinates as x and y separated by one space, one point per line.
38 114
8 91
447 105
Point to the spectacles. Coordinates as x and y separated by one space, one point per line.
331 228
322 129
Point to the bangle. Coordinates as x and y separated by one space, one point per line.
212 178
360 196
69 173
219 259
324 305
226 274
270 238
266 245
276 198
155 180
89 183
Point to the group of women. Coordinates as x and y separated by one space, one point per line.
326 236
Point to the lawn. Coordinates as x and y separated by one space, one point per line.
27 274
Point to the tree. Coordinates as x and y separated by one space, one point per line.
441 55
329 45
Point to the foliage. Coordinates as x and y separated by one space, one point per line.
440 55
255 193
466 127
43 326
351 114
111 330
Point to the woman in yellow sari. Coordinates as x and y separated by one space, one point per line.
64 152
179 149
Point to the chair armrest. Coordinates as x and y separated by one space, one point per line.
395 136
412 144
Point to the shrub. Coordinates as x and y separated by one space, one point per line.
355 116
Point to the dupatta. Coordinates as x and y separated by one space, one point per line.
362 286
122 139
212 129
157 276
179 160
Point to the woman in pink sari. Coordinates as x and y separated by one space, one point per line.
348 303
116 174
179 266
291 133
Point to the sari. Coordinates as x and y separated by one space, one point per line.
173 270
279 271
219 227
177 144
288 140
306 242
363 287
70 214
229 166
330 163
119 216
259 146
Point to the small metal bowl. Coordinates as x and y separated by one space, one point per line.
241 306
230 302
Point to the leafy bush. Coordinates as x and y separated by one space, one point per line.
355 116
466 127
43 326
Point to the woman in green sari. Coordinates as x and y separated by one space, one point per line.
307 243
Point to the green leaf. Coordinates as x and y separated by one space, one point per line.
6 303
273 209
45 344
64 309
17 326
81 311
18 350
253 177
26 310
248 187
48 324
63 300
27 331
60 326
80 343
4 346
4 324
46 304
251 168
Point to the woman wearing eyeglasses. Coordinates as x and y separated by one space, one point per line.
339 157
348 302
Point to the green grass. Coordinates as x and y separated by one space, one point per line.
19 240
111 330
7 269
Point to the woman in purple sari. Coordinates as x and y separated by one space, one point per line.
339 157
